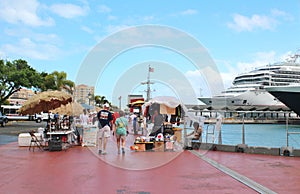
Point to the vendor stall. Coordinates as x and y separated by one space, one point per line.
162 117
60 140
136 108
166 121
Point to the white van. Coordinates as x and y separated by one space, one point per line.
43 116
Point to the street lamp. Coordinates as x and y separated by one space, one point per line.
120 98
89 97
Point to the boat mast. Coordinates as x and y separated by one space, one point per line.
148 82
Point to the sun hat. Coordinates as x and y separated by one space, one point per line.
106 105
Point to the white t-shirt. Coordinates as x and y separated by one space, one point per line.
132 117
84 119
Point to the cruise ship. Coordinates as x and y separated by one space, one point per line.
249 88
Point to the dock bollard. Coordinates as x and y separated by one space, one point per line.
241 148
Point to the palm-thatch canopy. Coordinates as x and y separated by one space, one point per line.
74 109
45 101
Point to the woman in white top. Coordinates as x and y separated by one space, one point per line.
84 118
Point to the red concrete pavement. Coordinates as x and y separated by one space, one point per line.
82 170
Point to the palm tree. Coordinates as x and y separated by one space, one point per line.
57 81
100 100
62 83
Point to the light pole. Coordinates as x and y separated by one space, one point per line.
120 98
89 97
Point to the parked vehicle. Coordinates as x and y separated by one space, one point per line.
43 116
12 112
3 119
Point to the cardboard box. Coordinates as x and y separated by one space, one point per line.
159 146
144 146
141 147
169 145
177 134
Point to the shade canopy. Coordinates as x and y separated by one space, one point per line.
73 108
45 101
168 101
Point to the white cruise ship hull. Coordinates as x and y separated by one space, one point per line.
251 98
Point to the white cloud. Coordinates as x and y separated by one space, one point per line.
28 44
33 49
87 29
24 12
244 23
103 9
37 37
189 12
281 14
115 28
148 18
111 17
69 10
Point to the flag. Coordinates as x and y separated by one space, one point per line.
151 69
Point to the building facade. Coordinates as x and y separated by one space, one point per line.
18 98
84 94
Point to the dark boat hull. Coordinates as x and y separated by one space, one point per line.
290 96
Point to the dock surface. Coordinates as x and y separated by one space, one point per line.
82 170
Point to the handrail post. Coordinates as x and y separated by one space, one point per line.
243 129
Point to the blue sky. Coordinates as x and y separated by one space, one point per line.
238 35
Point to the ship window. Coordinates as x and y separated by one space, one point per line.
244 101
210 102
232 102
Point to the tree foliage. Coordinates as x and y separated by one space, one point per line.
15 75
18 74
101 100
57 81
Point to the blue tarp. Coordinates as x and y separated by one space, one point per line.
88 107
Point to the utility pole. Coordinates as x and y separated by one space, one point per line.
120 99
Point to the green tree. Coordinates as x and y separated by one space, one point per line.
57 81
15 75
100 100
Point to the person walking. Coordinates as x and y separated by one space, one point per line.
83 122
105 123
134 124
130 125
121 128
84 118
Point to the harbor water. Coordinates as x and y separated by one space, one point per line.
259 135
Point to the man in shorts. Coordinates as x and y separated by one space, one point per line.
105 123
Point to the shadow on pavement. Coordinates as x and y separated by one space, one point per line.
5 139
